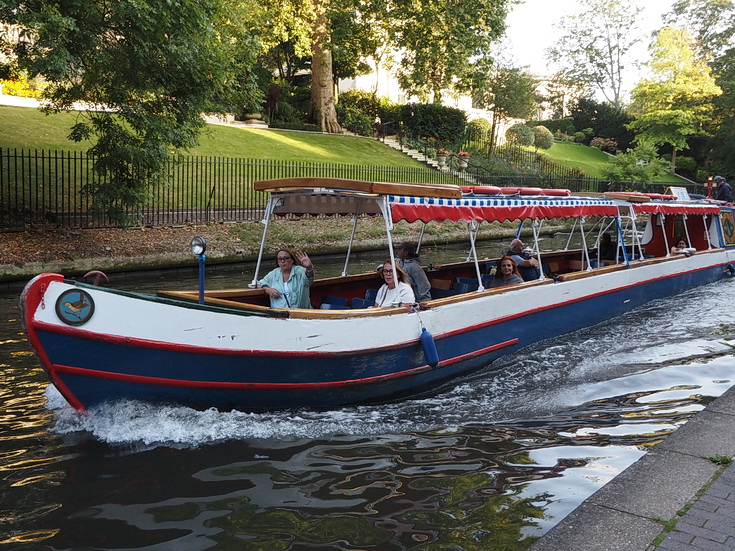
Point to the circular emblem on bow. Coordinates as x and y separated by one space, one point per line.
75 307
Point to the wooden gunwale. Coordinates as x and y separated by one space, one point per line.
444 191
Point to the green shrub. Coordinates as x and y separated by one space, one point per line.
479 128
580 137
389 112
542 137
357 101
520 134
356 121
446 124
640 165
686 164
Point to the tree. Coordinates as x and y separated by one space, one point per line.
719 152
710 22
640 165
560 93
596 45
509 93
442 41
323 111
604 119
676 102
520 133
148 70
542 137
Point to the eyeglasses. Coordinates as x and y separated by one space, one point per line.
389 272
283 258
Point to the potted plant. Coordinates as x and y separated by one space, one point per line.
441 156
463 159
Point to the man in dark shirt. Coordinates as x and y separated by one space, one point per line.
724 191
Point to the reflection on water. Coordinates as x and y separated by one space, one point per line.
491 461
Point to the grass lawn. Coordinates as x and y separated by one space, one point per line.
591 160
588 159
28 128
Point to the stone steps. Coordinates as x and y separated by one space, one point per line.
419 156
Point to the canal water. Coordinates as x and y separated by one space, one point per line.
488 462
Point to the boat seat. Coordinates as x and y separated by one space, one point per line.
358 302
436 292
330 306
329 299
371 295
465 284
487 280
463 287
489 266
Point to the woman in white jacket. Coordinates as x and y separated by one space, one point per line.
395 290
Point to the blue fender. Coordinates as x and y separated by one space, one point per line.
429 346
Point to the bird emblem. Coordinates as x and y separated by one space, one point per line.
76 306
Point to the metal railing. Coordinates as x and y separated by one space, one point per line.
41 189
46 189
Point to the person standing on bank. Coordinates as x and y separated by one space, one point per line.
415 274
288 285
395 290
724 191
526 264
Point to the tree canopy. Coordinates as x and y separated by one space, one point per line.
676 102
596 45
147 71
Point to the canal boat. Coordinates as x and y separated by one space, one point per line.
228 349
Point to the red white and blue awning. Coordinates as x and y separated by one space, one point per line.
498 209
676 209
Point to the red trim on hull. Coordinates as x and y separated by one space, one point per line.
83 372
194 349
564 303
31 298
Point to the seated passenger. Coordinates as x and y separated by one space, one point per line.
288 284
507 273
526 264
681 248
395 290
606 247
415 274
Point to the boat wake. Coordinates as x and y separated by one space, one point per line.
641 356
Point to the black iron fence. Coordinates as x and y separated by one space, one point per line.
51 188
43 189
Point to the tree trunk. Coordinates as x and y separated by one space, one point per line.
673 160
323 111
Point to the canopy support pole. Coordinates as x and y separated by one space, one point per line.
388 218
474 228
571 233
585 250
662 219
706 232
421 238
686 231
352 236
621 243
536 227
269 208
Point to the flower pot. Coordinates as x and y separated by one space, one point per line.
462 162
441 160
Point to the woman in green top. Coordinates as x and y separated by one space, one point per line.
288 285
